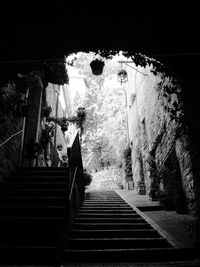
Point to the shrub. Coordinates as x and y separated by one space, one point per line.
128 164
87 178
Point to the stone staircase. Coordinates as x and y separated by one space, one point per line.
34 220
33 216
107 229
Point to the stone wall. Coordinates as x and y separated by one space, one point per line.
155 135
190 83
11 122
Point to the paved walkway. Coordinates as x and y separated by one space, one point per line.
175 227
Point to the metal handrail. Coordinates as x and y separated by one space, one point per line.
11 137
72 185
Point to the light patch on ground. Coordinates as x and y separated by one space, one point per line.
106 179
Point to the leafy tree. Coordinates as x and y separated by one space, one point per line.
105 128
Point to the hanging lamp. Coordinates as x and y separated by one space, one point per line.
122 75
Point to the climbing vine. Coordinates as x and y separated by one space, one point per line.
45 108
128 164
154 177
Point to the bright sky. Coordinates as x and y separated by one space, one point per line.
61 99
113 83
76 82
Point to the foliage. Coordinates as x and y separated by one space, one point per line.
45 108
154 177
8 96
172 93
47 134
55 72
138 58
23 82
46 111
23 74
151 165
32 148
106 114
128 164
140 161
80 119
87 178
63 122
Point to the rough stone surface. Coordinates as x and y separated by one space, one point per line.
154 134
108 178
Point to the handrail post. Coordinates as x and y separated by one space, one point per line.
22 143
75 187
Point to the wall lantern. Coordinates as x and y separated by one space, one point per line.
122 76
97 66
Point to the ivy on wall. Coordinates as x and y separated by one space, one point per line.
128 164
56 72
13 90
139 60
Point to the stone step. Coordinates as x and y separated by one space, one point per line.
32 230
31 221
119 242
103 208
115 233
102 202
106 211
33 216
109 219
107 215
132 256
31 211
103 193
28 200
44 169
110 225
42 172
37 179
104 205
29 235
33 185
29 255
102 198
32 192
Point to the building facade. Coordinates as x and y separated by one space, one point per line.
158 138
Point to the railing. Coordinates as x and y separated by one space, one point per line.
76 185
4 143
72 186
